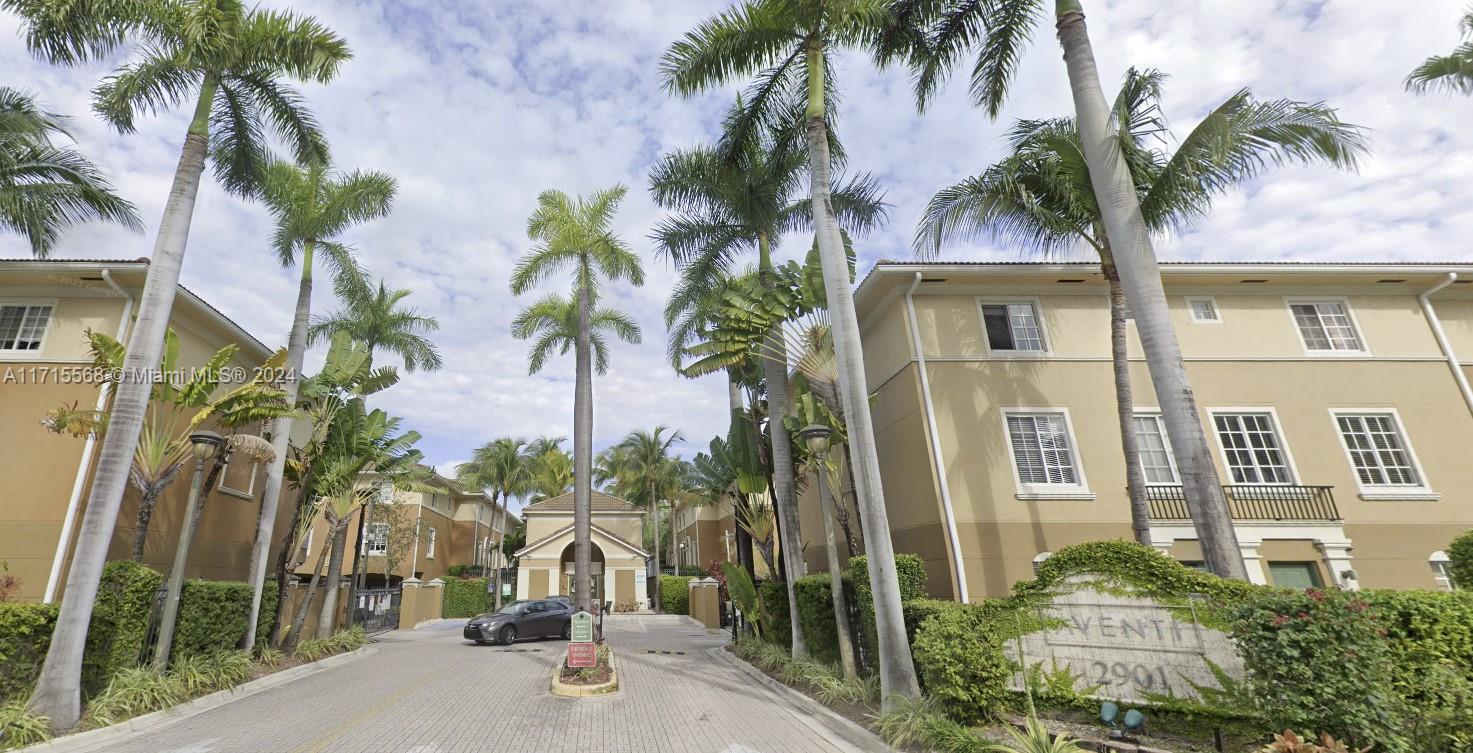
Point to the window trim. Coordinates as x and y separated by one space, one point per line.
1278 427
430 538
1037 304
1022 491
1192 312
39 353
1421 492
1360 334
248 493
1442 575
368 538
1155 411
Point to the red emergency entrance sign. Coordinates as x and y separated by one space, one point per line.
582 655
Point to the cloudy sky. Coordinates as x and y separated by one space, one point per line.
476 106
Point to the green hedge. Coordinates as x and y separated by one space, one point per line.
1460 560
114 636
777 625
465 597
213 615
816 617
959 657
909 570
675 594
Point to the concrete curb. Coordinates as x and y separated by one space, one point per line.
855 735
566 690
154 721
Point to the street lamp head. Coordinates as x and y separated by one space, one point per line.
816 436
205 444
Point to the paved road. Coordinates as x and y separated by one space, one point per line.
427 691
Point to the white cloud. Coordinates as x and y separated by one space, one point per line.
476 107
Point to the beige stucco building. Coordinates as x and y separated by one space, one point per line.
1334 398
46 307
545 564
702 534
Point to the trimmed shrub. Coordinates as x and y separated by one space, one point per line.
212 616
1318 661
675 594
909 570
960 660
465 597
917 610
1460 560
25 634
777 625
816 617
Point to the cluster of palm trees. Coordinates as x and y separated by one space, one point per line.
230 63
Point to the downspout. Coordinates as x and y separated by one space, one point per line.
935 437
63 544
1442 341
414 560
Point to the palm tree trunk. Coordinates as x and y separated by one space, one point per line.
498 519
775 373
659 587
299 618
897 671
146 504
328 617
737 407
583 453
284 560
1136 261
841 508
836 577
58 693
296 351
1135 475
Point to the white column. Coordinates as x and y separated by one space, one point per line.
1252 560
523 573
608 583
1337 561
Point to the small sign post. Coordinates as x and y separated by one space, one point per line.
582 652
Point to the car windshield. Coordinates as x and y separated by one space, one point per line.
515 607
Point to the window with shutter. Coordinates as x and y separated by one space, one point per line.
1043 452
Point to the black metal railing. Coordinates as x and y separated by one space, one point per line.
1253 502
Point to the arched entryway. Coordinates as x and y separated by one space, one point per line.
596 563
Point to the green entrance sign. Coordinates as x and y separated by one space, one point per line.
582 627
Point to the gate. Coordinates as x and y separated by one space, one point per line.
377 610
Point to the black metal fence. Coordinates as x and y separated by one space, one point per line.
1252 502
377 609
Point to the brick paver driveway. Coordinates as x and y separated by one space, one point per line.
427 691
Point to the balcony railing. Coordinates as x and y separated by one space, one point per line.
1279 502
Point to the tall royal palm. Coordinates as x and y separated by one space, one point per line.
312 206
786 45
372 315
646 457
1000 31
573 234
45 188
504 467
1039 198
728 202
227 61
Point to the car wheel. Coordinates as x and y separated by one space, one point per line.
567 630
508 635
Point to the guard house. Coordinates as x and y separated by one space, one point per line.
545 564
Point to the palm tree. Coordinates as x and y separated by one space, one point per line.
574 233
228 60
1453 71
647 459
786 46
45 188
505 468
1000 30
1039 196
312 206
731 200
371 315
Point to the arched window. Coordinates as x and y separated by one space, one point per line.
1441 570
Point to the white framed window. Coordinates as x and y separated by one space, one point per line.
231 483
430 544
1326 326
1045 456
376 539
1442 570
1252 448
1382 459
1013 326
23 326
1204 310
1154 449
